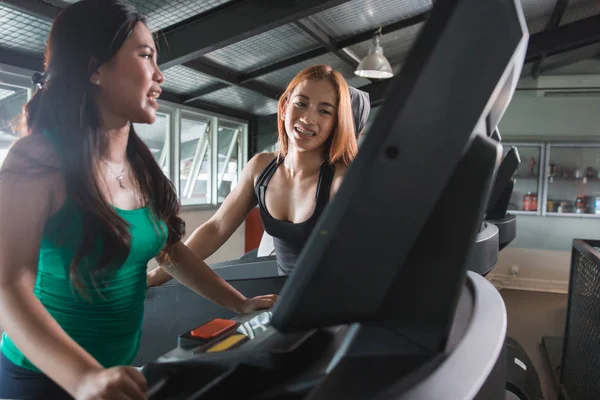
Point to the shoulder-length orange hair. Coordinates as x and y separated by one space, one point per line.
342 142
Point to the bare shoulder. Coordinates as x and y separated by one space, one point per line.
258 163
31 182
32 170
338 177
32 153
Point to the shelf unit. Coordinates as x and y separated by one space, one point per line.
528 177
565 171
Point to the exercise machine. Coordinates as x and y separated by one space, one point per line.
393 313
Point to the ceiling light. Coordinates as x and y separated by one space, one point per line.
375 65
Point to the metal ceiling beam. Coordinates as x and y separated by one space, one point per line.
58 3
585 53
232 23
554 22
393 27
350 41
38 8
171 97
202 92
21 60
224 110
288 62
216 71
181 99
564 38
321 37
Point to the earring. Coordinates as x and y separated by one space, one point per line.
97 82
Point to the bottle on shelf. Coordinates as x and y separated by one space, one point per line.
530 202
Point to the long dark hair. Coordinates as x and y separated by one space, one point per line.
85 35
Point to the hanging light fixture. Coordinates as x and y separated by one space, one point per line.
375 65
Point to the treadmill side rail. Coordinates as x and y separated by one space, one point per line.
465 371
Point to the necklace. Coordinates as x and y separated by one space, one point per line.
119 175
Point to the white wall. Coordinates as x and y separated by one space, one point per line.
232 249
552 117
541 252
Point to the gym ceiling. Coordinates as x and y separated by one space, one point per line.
235 57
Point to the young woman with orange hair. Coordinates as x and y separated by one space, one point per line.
292 186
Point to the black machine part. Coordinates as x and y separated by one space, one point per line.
361 361
500 207
496 135
484 252
507 229
503 185
522 379
252 268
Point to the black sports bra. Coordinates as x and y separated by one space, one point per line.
288 237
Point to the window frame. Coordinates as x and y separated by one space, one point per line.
175 113
18 82
178 112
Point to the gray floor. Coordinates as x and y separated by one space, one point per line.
532 315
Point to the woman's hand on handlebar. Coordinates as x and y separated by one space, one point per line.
258 303
118 383
157 277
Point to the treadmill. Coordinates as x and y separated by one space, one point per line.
393 313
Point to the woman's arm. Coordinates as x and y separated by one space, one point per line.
28 195
25 203
210 236
195 274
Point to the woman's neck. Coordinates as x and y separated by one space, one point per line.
116 132
303 163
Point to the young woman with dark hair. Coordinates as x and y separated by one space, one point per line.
84 207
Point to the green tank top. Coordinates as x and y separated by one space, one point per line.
107 321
